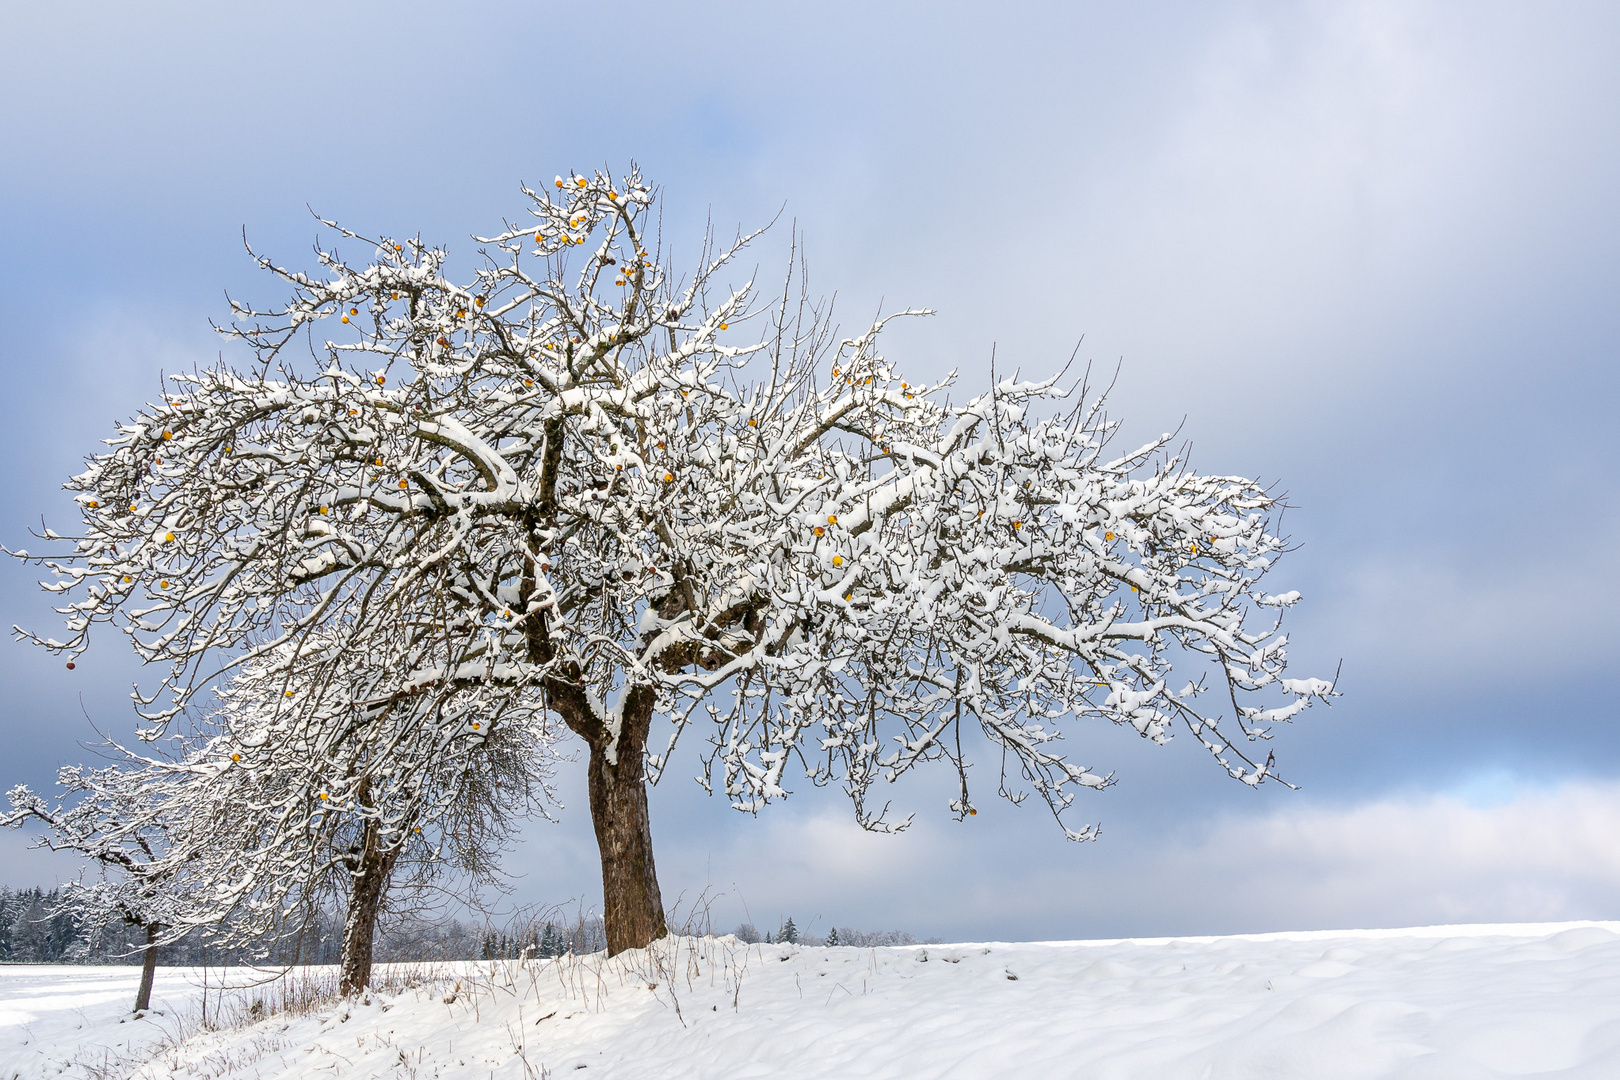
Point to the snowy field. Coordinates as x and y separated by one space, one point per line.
1443 1002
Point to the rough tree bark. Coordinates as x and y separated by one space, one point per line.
370 869
633 910
143 996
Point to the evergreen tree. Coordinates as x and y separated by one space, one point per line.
789 933
7 906
62 930
31 929
832 938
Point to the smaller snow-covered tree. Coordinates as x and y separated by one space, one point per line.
348 781
382 774
270 808
120 819
832 938
789 933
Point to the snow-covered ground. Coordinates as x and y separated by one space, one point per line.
55 1015
1442 1002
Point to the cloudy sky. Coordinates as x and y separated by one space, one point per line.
1367 250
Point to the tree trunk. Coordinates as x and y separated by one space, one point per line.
369 883
143 996
631 906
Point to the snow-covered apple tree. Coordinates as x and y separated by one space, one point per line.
114 817
574 485
359 782
267 811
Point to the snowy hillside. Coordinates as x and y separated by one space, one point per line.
1452 1002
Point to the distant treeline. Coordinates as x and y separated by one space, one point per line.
837 935
36 927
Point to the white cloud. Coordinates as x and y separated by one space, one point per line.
1540 855
1400 860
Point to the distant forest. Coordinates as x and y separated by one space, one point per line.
36 927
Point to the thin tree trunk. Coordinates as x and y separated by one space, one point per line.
143 996
632 908
370 883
